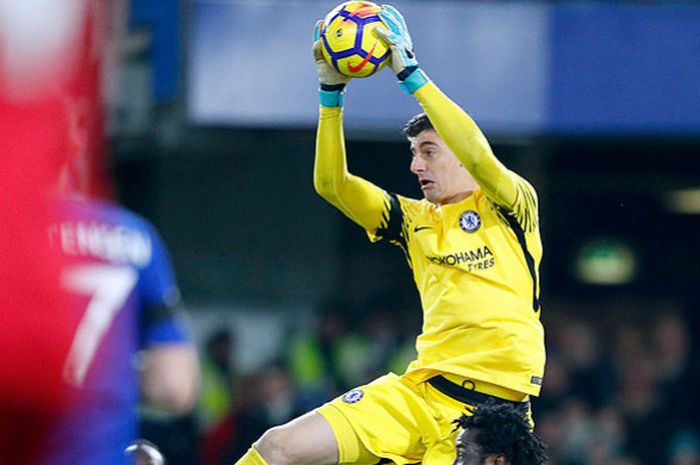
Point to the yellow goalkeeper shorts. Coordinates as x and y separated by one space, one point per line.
395 419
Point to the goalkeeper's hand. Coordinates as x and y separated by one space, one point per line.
403 59
332 82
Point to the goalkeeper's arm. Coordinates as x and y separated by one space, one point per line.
358 199
454 125
468 143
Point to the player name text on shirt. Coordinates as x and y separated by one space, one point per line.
103 241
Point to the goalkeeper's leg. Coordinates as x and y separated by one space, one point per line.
307 440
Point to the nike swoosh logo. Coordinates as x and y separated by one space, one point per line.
354 69
421 228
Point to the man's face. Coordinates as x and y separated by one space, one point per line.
442 178
469 451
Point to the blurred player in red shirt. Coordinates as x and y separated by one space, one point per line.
34 336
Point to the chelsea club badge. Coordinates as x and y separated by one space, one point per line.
353 396
469 221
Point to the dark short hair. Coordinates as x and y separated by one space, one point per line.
417 124
503 429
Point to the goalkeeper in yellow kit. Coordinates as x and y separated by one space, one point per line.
474 248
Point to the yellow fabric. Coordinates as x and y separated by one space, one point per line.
358 199
252 457
487 388
351 449
481 320
476 291
395 419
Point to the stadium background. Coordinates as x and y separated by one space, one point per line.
596 103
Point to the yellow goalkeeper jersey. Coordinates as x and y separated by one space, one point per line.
475 266
475 262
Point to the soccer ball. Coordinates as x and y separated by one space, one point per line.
349 42
144 452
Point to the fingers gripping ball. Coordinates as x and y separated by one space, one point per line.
349 41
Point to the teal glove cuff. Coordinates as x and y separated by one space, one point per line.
414 81
331 98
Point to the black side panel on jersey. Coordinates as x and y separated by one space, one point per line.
520 235
392 228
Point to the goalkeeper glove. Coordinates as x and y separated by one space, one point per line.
332 82
403 60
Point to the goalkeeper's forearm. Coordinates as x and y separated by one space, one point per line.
465 139
358 199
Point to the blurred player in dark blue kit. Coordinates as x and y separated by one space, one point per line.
125 299
131 343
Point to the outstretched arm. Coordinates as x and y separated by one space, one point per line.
454 125
468 143
358 199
